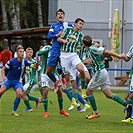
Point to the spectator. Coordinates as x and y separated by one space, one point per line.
5 55
106 58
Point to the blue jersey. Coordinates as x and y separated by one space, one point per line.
16 69
55 29
56 46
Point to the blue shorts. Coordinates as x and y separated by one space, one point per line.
14 85
53 60
54 57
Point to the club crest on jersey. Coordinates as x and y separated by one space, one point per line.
72 38
78 48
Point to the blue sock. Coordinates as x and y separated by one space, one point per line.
63 76
68 94
16 103
87 99
81 99
77 82
52 77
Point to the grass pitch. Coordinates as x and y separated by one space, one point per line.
33 122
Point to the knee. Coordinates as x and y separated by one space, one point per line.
109 96
45 92
59 93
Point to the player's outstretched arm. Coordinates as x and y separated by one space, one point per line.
120 56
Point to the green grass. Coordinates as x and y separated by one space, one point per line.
109 122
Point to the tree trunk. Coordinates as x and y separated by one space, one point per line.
15 16
4 17
40 14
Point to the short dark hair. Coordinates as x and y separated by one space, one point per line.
60 10
79 19
87 40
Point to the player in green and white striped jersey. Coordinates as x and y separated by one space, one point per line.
31 83
100 76
71 39
46 83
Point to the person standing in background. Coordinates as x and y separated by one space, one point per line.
106 58
5 55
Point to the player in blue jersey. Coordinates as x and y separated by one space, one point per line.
54 32
16 68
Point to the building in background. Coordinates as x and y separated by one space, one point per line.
98 16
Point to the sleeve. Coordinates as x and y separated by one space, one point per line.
130 52
44 50
100 50
27 63
8 64
51 34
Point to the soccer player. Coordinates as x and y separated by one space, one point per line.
47 83
53 34
54 58
100 76
71 39
16 68
127 57
31 83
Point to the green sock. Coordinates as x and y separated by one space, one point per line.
76 96
119 100
92 102
130 101
60 101
45 103
32 98
27 103
83 83
70 91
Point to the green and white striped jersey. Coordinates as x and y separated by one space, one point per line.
44 52
95 54
74 40
130 55
82 54
31 72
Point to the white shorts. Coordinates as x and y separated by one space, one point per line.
100 79
47 82
30 87
69 61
